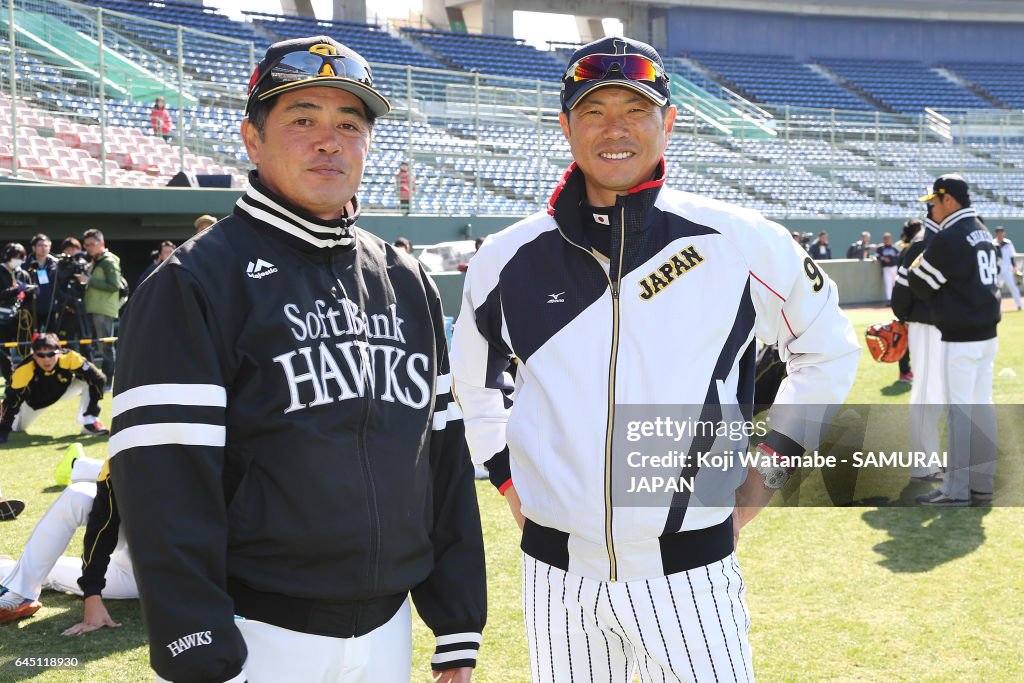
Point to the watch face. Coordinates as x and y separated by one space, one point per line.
774 477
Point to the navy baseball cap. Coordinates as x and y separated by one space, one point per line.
952 184
622 62
314 62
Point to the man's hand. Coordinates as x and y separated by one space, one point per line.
515 505
83 278
461 675
751 497
96 617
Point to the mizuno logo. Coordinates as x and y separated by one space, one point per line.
260 269
556 298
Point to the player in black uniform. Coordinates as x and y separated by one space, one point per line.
957 274
47 376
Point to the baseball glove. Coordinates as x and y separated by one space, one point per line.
887 342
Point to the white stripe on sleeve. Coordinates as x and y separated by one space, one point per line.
452 656
211 395
459 638
443 417
167 433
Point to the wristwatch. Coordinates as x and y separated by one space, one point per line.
771 470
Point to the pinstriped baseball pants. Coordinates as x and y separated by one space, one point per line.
688 626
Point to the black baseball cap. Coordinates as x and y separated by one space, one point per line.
639 68
314 62
952 184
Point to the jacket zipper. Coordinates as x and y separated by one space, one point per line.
612 366
612 362
364 463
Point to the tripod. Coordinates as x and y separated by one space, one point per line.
55 320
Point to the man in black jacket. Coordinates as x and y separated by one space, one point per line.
957 274
293 465
924 343
43 268
861 250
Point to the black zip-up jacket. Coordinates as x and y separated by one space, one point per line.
908 307
285 445
957 273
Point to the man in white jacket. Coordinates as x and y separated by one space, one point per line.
626 296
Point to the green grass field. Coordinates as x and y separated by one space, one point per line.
852 594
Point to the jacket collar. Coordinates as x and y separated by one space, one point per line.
966 212
561 199
269 209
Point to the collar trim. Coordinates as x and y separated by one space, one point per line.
966 212
657 181
265 207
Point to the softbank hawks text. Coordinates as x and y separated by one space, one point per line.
351 354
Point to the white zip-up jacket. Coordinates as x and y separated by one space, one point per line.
669 319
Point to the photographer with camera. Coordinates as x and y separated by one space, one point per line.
15 287
67 311
42 266
102 281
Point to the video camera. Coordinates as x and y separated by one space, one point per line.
68 268
806 239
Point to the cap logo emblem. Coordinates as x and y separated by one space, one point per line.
324 49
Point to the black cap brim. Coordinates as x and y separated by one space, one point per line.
645 90
374 101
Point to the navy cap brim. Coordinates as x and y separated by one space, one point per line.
374 101
645 90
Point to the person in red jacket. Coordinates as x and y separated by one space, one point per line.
406 182
160 119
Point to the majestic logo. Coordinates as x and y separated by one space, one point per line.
260 269
667 272
188 642
556 298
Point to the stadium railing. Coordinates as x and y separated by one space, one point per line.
478 143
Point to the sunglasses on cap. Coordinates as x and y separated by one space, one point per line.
45 354
633 67
305 65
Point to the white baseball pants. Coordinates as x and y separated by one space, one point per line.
1010 282
688 626
41 565
278 654
889 281
968 368
27 414
927 393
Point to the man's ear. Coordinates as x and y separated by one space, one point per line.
251 139
563 119
670 120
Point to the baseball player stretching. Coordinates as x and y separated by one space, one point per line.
628 292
